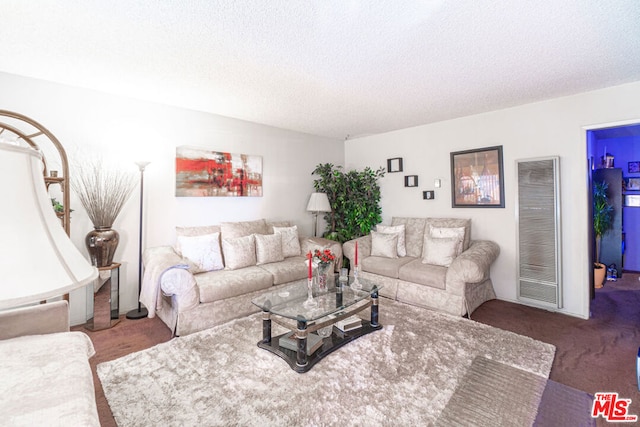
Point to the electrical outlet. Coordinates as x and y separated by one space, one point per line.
428 195
437 183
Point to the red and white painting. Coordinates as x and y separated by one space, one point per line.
207 173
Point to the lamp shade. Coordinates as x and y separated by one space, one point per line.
37 259
318 202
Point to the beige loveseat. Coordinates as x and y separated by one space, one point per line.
429 262
213 272
45 376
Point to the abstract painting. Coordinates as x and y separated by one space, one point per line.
207 173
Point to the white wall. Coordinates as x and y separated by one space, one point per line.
550 128
88 122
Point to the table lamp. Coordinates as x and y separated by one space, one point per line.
38 261
318 202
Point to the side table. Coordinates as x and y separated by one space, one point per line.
104 304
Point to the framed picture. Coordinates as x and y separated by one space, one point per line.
411 180
394 165
634 167
478 178
632 200
207 173
633 184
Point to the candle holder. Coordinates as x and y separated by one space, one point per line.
310 302
356 285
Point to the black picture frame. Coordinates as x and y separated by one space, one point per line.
411 180
394 165
633 167
477 178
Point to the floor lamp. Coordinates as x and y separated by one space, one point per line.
140 312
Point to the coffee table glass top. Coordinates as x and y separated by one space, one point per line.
287 301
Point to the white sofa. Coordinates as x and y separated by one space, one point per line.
442 269
45 376
251 257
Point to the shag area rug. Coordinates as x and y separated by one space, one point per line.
403 374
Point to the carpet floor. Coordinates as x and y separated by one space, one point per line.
220 376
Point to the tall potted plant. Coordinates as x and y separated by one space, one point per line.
354 197
602 221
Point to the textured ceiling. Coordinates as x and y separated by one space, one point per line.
328 67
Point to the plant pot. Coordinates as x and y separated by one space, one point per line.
102 243
599 274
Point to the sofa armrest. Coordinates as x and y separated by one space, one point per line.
35 320
472 266
158 261
312 243
364 248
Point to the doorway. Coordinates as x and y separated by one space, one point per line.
614 157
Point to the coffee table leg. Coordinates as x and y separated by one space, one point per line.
266 327
374 307
301 334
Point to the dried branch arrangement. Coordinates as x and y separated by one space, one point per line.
102 191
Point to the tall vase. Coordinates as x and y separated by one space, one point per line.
102 243
323 274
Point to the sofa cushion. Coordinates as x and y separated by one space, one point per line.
290 240
389 267
223 284
399 230
289 270
439 251
243 228
202 252
424 274
268 248
414 233
239 252
457 233
384 244
453 223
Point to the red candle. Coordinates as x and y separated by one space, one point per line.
310 268
356 253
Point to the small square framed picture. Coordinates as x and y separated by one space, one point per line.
634 167
411 180
394 165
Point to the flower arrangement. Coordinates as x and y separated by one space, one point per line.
323 257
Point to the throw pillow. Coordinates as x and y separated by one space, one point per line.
290 240
400 231
384 244
194 231
441 251
268 248
202 252
449 232
239 252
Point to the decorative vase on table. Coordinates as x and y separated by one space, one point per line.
323 276
102 243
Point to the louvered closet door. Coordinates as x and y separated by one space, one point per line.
538 237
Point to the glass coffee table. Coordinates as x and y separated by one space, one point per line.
286 306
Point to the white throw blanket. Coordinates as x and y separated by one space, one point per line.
163 260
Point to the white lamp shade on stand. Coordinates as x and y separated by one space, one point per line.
38 261
318 202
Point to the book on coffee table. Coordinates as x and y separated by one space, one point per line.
289 341
349 323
